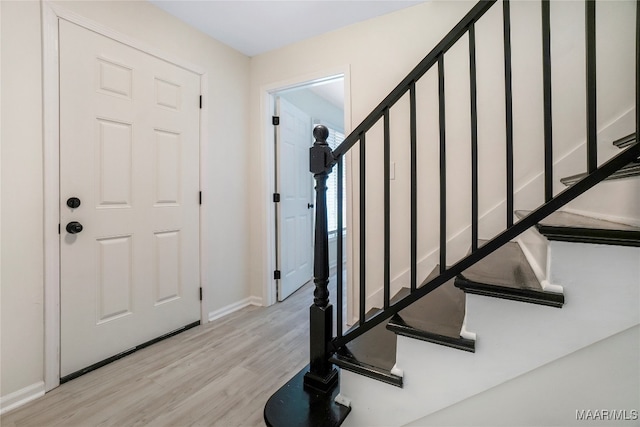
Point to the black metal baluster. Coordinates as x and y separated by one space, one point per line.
592 116
363 246
339 252
443 168
387 210
546 77
506 20
321 374
637 70
414 188
474 138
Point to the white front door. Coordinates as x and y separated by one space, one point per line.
295 223
129 155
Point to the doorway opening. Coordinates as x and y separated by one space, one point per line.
296 111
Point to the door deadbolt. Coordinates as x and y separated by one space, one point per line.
73 202
74 227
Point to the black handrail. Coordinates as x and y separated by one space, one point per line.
321 375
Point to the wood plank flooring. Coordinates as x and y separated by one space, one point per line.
217 374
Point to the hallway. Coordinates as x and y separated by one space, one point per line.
218 374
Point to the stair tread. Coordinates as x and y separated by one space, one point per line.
561 219
506 273
374 351
440 312
625 141
506 267
627 171
570 227
437 317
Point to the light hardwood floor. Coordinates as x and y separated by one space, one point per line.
217 374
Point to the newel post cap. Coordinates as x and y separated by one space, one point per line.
320 154
321 133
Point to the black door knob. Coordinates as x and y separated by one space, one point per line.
74 227
73 202
309 205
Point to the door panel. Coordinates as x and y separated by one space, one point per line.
295 184
129 150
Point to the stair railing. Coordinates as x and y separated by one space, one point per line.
322 375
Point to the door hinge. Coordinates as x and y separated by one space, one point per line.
275 120
276 197
58 228
200 101
201 294
276 275
200 197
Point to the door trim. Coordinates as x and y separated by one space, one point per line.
51 14
267 97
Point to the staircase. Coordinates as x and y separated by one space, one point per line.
550 282
520 326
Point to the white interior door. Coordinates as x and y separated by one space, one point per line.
129 152
295 186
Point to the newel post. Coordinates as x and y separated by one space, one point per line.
321 376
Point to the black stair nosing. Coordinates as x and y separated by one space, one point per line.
605 234
414 329
370 371
592 236
397 325
625 141
295 404
372 354
629 171
507 274
532 296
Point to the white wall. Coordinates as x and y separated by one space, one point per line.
22 198
381 51
225 236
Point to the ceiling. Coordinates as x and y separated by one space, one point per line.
258 26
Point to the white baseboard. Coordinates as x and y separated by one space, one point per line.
21 397
221 312
257 301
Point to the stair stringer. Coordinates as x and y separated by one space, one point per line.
602 299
